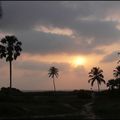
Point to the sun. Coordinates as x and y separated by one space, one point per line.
77 61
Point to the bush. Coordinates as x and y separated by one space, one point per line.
84 94
8 90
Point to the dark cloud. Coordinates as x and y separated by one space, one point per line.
42 43
42 66
110 57
32 66
23 15
0 10
21 18
104 32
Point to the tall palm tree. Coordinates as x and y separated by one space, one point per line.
10 49
53 72
96 74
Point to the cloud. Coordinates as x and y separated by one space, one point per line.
104 32
32 13
110 57
52 30
82 21
42 66
35 66
43 44
0 10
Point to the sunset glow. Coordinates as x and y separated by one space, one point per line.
73 42
79 61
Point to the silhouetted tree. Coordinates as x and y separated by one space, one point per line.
118 60
111 84
96 74
116 72
117 83
10 49
53 72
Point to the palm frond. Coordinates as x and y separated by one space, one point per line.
10 48
90 75
92 82
102 80
3 40
53 72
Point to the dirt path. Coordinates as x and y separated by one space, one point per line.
70 106
88 112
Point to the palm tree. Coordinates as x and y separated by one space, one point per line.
53 72
111 84
96 75
10 49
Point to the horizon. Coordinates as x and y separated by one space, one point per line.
73 36
63 90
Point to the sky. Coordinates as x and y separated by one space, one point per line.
73 36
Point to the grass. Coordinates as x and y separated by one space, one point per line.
31 104
107 106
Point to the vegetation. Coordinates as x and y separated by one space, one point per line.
111 84
107 105
115 83
96 75
42 105
117 76
116 72
10 49
53 72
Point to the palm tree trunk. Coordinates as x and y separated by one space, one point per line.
10 74
54 84
98 87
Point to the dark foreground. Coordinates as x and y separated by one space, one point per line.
44 105
107 105
61 105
